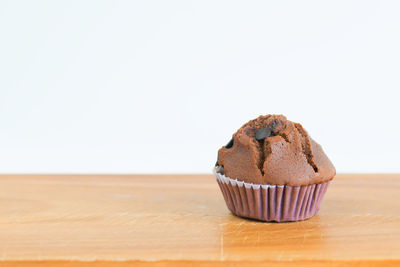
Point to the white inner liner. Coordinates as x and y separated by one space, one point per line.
227 180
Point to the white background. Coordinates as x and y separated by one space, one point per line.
159 86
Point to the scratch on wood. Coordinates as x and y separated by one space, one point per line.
280 256
304 238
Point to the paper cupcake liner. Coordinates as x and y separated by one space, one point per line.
280 203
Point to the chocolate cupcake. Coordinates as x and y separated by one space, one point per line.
271 170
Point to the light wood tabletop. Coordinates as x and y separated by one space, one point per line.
177 220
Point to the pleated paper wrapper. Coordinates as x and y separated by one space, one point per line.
279 203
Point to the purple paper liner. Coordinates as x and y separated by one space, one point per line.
279 203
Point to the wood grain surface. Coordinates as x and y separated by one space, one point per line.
178 220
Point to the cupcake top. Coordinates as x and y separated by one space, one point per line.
274 150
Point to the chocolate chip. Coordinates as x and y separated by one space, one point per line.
251 132
274 123
221 169
230 144
263 133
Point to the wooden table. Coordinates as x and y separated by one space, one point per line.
176 220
